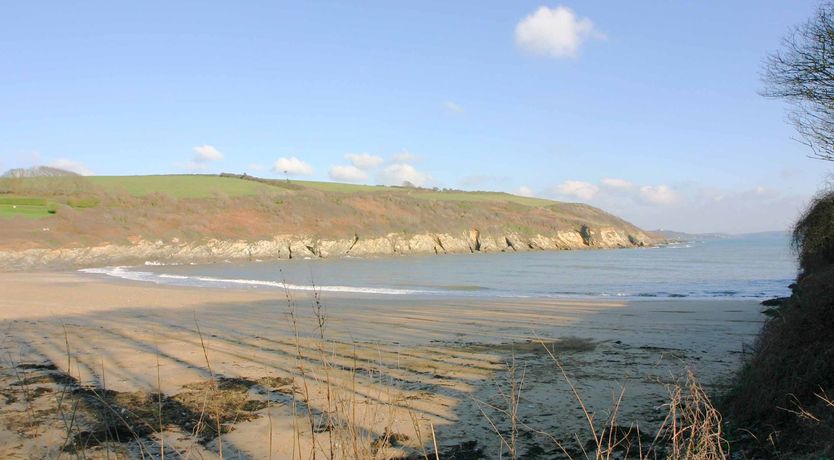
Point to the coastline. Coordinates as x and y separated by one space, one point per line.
427 358
308 246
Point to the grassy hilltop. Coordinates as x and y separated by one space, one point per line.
76 211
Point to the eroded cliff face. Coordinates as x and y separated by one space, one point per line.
305 246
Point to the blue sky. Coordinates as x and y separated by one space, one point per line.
649 109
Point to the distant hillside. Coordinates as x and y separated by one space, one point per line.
38 171
89 220
772 234
672 235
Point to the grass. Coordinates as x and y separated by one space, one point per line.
37 207
23 206
25 211
338 187
206 186
22 200
428 194
202 186
478 197
180 186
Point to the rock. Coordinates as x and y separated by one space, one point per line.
304 246
452 243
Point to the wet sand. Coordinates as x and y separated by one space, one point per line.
406 365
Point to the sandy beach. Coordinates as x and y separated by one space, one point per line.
383 373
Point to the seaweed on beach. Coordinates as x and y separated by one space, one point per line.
204 409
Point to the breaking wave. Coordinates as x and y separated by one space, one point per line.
208 281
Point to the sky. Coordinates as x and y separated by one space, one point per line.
649 110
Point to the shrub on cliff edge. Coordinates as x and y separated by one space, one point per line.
783 395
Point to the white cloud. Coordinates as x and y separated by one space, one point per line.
525 191
708 209
399 173
403 157
577 189
554 32
347 173
292 166
70 165
658 195
689 206
206 153
453 107
364 160
616 183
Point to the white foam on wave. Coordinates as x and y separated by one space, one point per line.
123 273
208 281
156 263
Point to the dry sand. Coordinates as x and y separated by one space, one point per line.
411 366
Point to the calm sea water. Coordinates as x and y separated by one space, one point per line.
750 267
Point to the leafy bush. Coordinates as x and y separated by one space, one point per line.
813 234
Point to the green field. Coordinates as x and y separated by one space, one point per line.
77 191
198 186
27 211
339 187
23 206
427 194
180 186
479 197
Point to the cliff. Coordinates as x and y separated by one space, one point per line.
279 220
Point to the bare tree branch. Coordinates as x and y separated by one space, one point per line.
802 73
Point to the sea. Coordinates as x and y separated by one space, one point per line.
750 267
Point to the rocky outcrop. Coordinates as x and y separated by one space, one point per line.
301 247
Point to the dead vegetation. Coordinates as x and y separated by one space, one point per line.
88 214
337 415
780 403
691 430
97 419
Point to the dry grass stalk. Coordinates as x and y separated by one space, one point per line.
693 425
692 429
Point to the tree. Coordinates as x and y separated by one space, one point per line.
802 73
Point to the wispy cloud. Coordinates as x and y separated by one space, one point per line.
658 195
292 166
616 183
400 173
206 153
554 32
689 206
525 191
577 189
70 165
404 156
364 161
453 107
347 173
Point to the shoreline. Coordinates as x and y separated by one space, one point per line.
427 294
288 247
427 360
